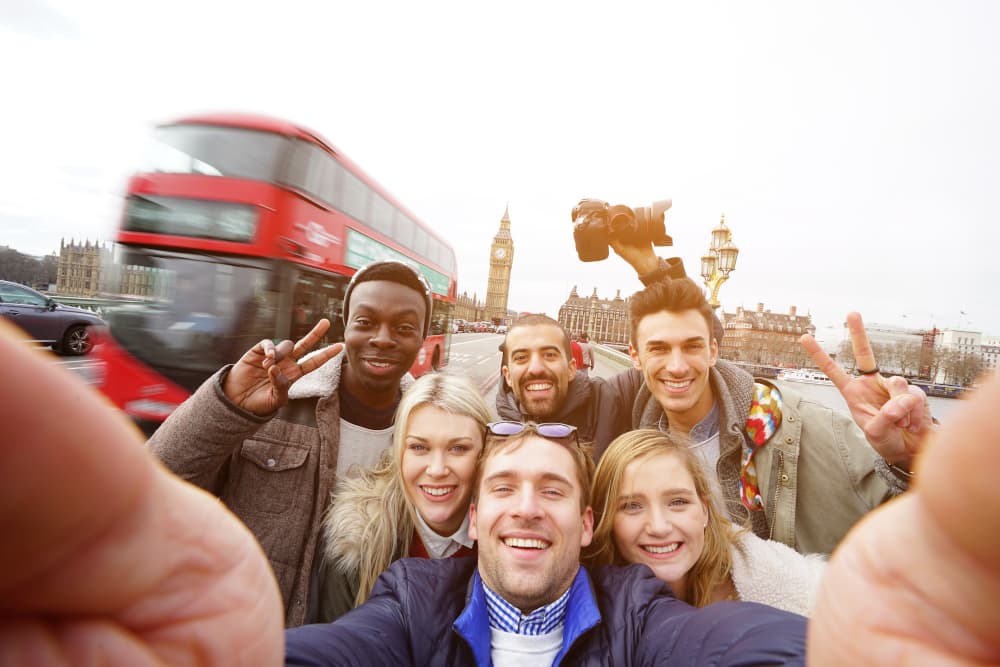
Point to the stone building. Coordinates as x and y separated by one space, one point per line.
80 268
959 356
86 269
762 337
990 346
501 260
604 320
470 308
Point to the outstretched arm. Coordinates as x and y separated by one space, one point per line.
105 557
917 581
894 415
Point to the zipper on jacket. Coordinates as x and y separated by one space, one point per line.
777 492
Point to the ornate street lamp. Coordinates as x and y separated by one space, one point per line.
719 261
590 318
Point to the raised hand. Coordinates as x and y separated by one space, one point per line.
259 381
916 582
105 557
894 415
640 256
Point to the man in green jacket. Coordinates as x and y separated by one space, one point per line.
798 472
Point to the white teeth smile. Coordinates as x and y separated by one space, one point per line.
525 543
538 386
662 550
439 491
380 364
676 385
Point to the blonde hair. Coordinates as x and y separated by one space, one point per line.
714 566
388 535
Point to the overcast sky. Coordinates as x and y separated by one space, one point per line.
854 147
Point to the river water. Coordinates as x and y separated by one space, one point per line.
830 397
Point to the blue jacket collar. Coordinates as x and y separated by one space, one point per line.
473 624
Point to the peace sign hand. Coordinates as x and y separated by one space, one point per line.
916 580
259 381
894 415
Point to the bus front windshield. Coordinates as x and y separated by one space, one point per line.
187 315
212 150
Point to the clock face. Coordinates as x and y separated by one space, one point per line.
499 253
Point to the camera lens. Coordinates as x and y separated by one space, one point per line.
620 218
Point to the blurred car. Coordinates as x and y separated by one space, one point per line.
46 321
502 329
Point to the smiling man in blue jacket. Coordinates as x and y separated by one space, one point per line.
526 600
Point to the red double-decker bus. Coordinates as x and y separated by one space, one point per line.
241 227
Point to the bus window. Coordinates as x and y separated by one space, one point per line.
329 188
315 175
336 175
382 213
333 292
434 251
303 311
419 241
213 151
441 317
402 230
297 170
354 197
310 170
317 296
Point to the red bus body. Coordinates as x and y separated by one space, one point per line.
243 227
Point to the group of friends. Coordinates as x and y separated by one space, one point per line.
680 512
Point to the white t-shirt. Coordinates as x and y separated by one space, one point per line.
360 446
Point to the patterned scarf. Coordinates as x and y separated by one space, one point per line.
762 422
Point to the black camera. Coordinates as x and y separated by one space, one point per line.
595 223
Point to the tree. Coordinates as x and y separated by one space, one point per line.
968 368
27 270
907 355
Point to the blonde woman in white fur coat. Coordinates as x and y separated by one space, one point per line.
415 502
652 505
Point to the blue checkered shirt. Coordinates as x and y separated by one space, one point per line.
505 616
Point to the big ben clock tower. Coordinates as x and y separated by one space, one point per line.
501 259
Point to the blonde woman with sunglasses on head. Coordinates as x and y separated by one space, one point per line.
415 502
653 505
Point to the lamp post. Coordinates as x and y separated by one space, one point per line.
719 261
590 319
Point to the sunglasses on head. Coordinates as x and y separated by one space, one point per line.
552 430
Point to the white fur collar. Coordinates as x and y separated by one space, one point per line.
321 383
